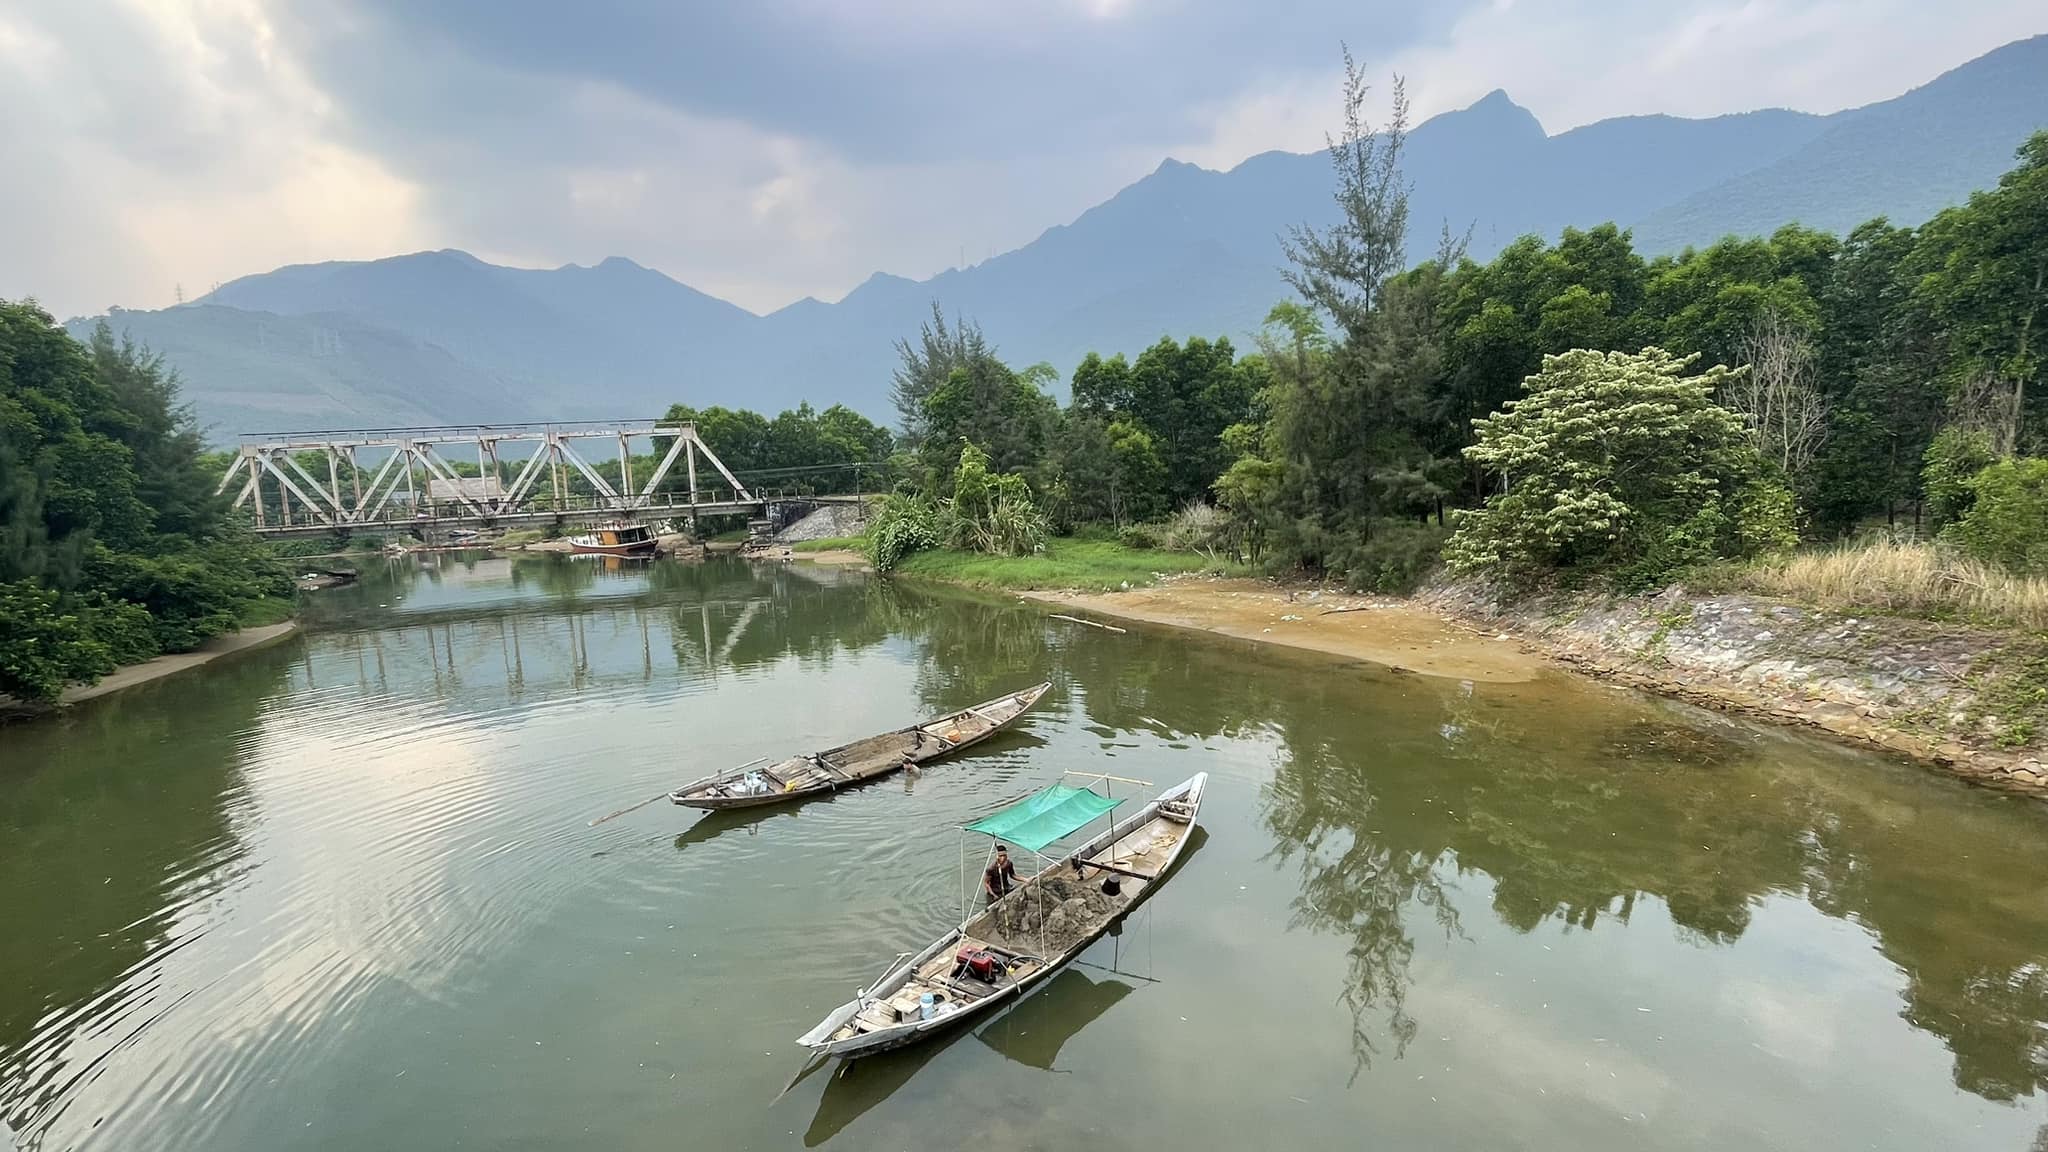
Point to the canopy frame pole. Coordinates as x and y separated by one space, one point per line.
1038 900
1106 776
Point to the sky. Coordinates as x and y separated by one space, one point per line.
768 150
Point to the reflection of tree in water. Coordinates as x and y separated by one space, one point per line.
117 818
1576 807
1357 886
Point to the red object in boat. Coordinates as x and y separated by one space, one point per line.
981 965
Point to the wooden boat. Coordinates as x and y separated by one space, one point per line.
949 983
619 539
836 768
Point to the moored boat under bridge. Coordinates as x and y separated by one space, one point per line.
405 480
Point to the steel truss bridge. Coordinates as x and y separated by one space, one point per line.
400 480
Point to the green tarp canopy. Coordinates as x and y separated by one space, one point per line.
1043 817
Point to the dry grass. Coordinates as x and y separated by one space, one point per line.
1914 579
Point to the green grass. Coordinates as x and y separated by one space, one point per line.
831 544
1089 564
266 611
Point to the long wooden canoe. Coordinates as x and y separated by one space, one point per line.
836 768
1137 853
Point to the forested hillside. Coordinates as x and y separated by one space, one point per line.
113 547
1593 413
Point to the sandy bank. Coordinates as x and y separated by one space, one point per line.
846 557
246 640
1377 629
1908 687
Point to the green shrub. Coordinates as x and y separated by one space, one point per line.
1150 537
990 512
902 525
1394 558
1619 465
2007 520
1949 466
48 640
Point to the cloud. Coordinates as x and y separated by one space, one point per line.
174 145
783 148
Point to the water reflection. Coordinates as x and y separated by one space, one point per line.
120 852
1033 1033
860 1085
1596 812
1030 1033
238 892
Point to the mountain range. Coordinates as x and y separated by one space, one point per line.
442 337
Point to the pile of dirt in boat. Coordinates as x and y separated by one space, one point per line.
1056 912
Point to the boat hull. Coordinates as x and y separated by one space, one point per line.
693 796
643 548
871 1043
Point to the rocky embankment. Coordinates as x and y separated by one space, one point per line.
1961 698
829 522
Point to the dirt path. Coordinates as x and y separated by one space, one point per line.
1377 629
163 666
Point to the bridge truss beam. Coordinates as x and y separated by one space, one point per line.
418 452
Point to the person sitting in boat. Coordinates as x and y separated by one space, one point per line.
1000 876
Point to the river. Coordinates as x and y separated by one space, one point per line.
344 894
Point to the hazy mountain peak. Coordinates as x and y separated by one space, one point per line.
1494 112
1183 251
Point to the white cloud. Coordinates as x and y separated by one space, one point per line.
174 144
181 142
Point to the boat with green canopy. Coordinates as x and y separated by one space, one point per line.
1021 939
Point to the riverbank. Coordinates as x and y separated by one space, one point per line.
1379 629
1966 700
170 664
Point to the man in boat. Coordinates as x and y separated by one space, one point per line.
1000 876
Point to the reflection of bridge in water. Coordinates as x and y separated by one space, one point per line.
506 630
414 487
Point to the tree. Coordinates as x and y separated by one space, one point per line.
1137 477
1618 463
1342 269
941 350
1876 366
985 404
1777 398
1983 275
1249 491
113 547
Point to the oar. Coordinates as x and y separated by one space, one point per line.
811 1064
660 795
1117 972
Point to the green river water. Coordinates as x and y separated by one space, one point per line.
344 894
